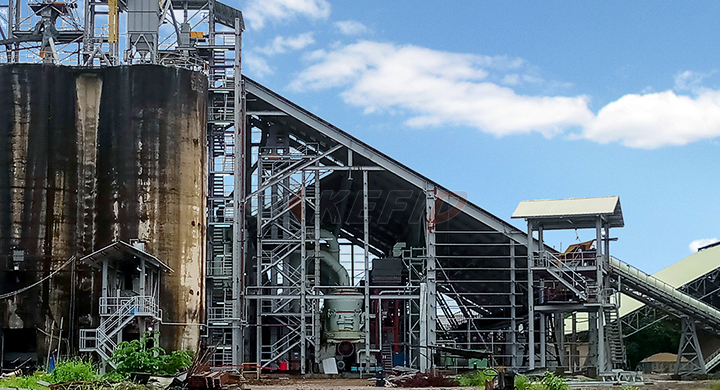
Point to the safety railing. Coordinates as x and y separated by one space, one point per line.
712 361
563 271
93 339
224 269
137 305
220 313
663 292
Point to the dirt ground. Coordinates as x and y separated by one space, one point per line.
356 384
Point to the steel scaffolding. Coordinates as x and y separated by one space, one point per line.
466 268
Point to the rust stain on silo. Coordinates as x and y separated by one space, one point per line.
91 156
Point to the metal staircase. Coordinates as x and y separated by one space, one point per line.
564 273
613 333
387 358
221 133
712 361
115 314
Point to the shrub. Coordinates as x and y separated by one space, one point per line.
553 382
73 370
136 356
477 379
113 377
522 382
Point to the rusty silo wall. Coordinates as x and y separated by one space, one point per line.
91 156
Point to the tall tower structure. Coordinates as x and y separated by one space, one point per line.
576 281
165 37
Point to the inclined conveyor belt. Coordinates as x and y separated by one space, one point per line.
666 296
643 286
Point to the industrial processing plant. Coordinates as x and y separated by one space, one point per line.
146 184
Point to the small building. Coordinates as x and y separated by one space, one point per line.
129 302
660 363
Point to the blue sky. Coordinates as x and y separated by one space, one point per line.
510 101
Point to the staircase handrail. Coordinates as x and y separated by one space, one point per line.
112 321
712 360
549 260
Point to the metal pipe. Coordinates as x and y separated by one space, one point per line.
601 287
366 259
239 244
513 320
531 303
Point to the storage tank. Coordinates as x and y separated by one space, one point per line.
89 157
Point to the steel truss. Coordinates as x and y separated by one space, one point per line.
465 292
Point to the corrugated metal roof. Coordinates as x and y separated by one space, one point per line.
572 213
119 250
605 205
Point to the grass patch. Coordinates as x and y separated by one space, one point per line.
26 382
74 370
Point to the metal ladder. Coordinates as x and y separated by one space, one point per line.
613 333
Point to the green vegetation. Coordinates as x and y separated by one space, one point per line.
629 387
522 382
477 379
136 356
553 382
113 377
26 382
74 370
659 337
133 356
713 386
549 381
67 371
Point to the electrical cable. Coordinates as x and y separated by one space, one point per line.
22 290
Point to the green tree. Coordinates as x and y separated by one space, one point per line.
663 336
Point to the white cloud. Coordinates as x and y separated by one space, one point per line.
256 66
697 244
659 119
257 12
351 27
437 88
282 44
689 80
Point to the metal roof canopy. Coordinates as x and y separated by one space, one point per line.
315 129
572 213
120 251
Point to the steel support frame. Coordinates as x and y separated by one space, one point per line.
689 357
226 232
428 327
20 21
597 302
